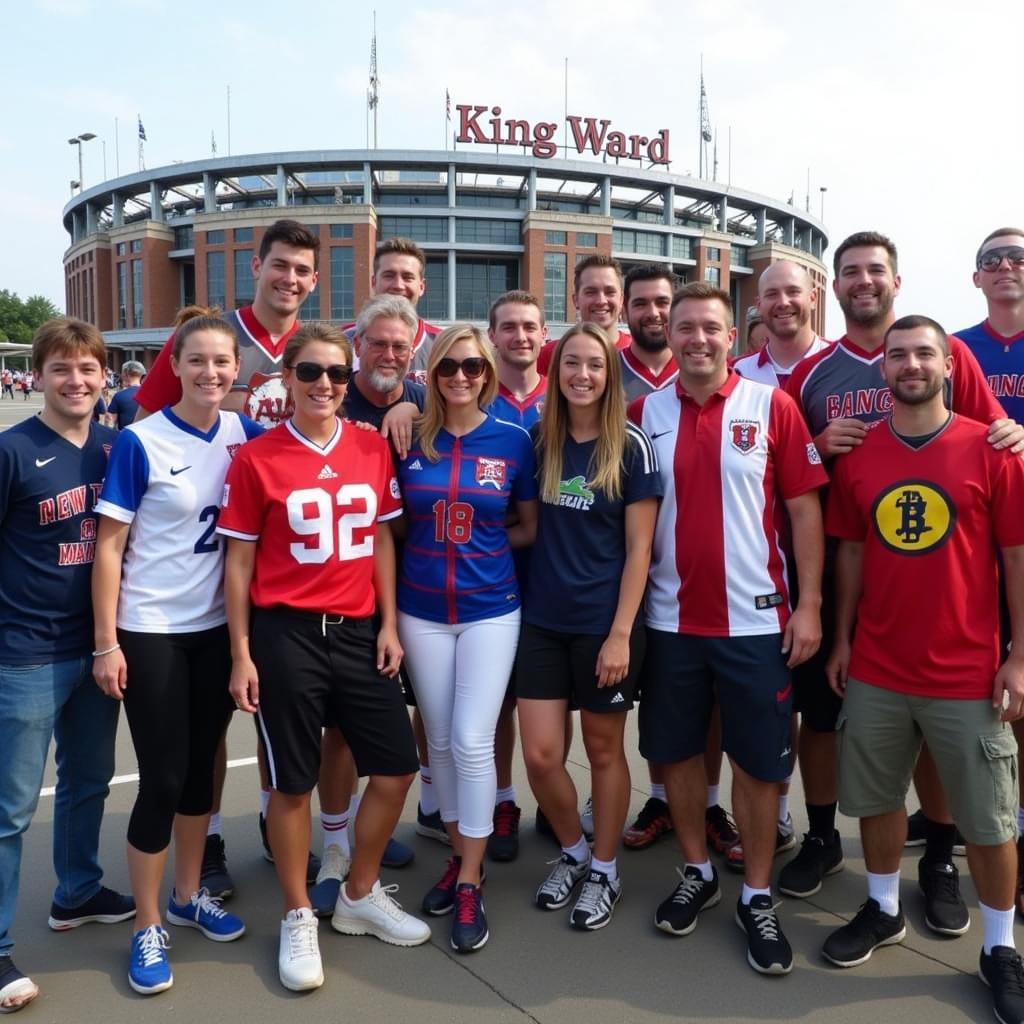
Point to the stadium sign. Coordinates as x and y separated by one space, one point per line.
589 134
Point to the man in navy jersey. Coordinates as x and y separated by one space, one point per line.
51 469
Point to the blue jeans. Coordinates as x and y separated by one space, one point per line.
61 700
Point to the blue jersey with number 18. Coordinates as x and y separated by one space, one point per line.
166 479
456 562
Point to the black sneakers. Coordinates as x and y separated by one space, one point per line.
944 909
678 914
803 875
917 833
214 875
503 842
1003 972
16 990
768 950
106 907
596 902
854 943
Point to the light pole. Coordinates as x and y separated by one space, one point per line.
77 141
823 189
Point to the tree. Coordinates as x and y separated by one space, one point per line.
19 319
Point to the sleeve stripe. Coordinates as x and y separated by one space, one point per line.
646 447
237 534
112 511
390 515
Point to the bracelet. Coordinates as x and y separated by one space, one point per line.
109 650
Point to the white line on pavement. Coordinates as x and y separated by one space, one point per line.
117 780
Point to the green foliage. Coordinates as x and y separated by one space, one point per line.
19 319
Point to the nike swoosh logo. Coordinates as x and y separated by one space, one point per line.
175 472
44 462
661 433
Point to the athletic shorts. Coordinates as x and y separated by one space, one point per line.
880 736
683 675
313 670
813 698
562 666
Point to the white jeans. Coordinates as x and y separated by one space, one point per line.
460 674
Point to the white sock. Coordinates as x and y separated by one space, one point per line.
712 800
579 851
508 793
334 831
705 869
658 791
997 927
213 829
748 894
885 891
606 867
264 801
783 807
428 795
1020 820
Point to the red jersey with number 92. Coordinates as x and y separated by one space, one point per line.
313 514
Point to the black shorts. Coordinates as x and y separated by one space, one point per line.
816 701
312 672
681 676
562 666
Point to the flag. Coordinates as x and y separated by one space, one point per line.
447 105
142 131
213 143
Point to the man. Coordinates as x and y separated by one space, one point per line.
735 458
840 393
918 511
597 296
7 380
51 469
122 408
786 300
647 363
399 268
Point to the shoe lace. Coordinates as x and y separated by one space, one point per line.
766 922
557 880
1011 969
382 899
153 942
207 904
592 898
450 876
946 883
688 889
506 818
466 903
302 938
810 849
649 814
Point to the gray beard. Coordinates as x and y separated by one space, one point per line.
381 384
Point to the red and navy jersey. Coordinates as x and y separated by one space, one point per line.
638 380
523 413
259 373
456 561
1002 362
845 382
623 341
930 519
312 512
718 566
422 343
48 493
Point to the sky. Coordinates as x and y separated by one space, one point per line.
909 114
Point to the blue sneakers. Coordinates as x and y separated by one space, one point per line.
396 854
150 971
469 929
204 912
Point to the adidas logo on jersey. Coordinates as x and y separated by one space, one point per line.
326 474
617 699
416 464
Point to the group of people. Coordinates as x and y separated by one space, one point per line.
12 380
319 526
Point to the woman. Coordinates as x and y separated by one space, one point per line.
310 590
458 599
581 640
161 639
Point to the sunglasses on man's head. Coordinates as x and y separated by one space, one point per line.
992 258
338 373
471 368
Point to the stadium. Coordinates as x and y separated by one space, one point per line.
144 244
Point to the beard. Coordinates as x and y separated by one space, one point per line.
864 317
648 342
917 397
382 383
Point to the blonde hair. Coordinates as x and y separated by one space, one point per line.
429 424
605 470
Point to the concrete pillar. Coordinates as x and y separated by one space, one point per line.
282 186
762 226
451 184
723 215
90 219
531 193
668 199
606 197
367 184
156 206
117 209
790 231
451 284
209 193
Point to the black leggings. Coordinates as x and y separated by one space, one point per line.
178 706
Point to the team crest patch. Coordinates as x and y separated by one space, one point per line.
232 449
393 487
227 495
106 450
743 435
813 456
491 471
913 517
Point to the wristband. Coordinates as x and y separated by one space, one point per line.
109 650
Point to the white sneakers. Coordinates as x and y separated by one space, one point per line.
298 958
334 865
377 913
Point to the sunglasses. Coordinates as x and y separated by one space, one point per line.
339 373
992 259
471 368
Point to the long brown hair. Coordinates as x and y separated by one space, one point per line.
605 470
429 424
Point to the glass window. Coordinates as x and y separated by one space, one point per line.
136 293
647 243
682 248
493 201
738 255
122 294
136 245
121 248
419 229
493 232
214 237
433 304
243 235
715 255
245 283
478 282
586 239
713 275
554 286
387 198
555 238
342 284
341 231
183 237
215 283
